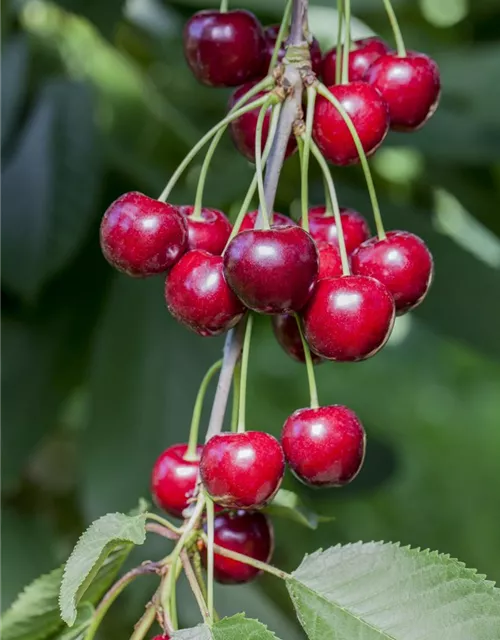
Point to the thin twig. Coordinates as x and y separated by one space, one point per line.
161 531
193 583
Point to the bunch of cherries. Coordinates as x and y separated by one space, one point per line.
332 290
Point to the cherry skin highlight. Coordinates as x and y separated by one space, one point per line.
173 479
402 262
141 236
271 35
324 447
273 270
322 227
364 53
210 233
410 87
287 334
349 318
369 116
224 49
279 220
199 297
242 470
250 534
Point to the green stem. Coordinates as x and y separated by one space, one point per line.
328 200
198 201
338 57
281 33
258 162
195 585
144 625
322 90
210 557
313 389
304 164
336 209
198 406
163 521
175 569
347 41
236 397
224 6
244 371
398 36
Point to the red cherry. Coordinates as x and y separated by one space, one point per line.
323 228
224 49
163 637
348 318
410 87
142 236
173 479
250 534
288 336
364 53
197 294
330 262
401 262
279 220
271 35
242 470
368 113
243 129
273 270
324 447
210 233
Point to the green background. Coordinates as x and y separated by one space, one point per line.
98 379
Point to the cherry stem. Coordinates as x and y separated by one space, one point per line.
306 151
163 521
328 200
398 36
347 41
322 90
195 586
335 205
258 163
224 6
313 389
160 530
338 57
198 406
243 374
144 624
210 556
174 571
281 33
236 397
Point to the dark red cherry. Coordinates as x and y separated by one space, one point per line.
369 116
288 336
224 49
363 53
173 479
250 534
142 236
273 270
243 129
279 220
348 318
324 447
322 227
209 232
271 35
409 86
242 470
330 262
163 637
402 262
198 295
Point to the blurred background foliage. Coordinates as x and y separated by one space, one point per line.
98 379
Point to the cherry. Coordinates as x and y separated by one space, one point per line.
364 53
272 270
288 336
348 318
173 479
142 236
271 35
250 534
242 470
410 87
243 129
210 233
198 295
279 220
224 49
330 262
163 637
322 227
402 262
368 113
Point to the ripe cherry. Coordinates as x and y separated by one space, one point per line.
322 227
224 49
271 35
324 447
242 470
272 270
330 262
210 232
163 637
243 129
142 236
402 262
279 220
198 295
288 336
348 318
173 479
410 87
365 51
369 116
250 534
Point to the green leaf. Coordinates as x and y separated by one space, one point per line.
233 628
82 623
287 504
385 592
89 554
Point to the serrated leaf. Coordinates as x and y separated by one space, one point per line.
381 591
287 504
82 623
90 553
233 628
